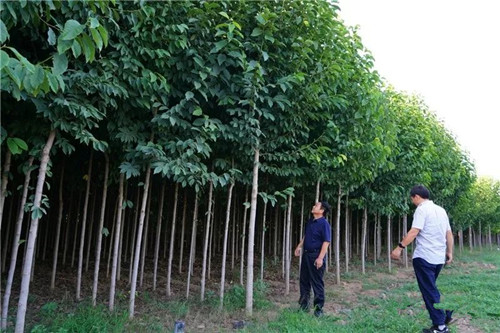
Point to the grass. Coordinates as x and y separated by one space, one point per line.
375 302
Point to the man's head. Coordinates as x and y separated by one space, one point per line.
321 208
419 193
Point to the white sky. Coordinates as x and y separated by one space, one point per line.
446 51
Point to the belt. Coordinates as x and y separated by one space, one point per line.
312 251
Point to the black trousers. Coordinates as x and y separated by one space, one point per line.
427 275
311 277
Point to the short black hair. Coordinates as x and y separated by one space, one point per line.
326 207
420 190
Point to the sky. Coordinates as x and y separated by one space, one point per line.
448 52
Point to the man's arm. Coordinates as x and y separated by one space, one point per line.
449 247
297 249
410 236
319 260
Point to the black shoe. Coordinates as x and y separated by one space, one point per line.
448 319
435 329
304 307
318 313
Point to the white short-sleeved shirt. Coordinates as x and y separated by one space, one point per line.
433 223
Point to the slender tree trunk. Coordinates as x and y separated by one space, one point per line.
205 244
262 253
58 229
389 245
251 235
405 231
7 235
363 239
211 244
120 231
233 238
91 231
145 238
490 243
111 240
379 236
183 229
337 237
158 232
301 228
15 246
137 251
5 180
242 262
276 225
470 238
99 230
84 222
134 233
318 184
287 246
461 240
193 245
283 245
75 235
116 244
346 233
224 246
376 228
25 283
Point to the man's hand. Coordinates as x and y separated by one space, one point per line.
449 258
318 263
396 253
297 251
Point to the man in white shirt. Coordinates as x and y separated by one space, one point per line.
434 238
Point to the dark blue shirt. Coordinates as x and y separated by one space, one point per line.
317 232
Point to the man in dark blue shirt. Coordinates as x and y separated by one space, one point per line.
315 244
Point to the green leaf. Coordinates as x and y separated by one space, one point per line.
51 37
38 77
197 111
63 45
256 32
76 49
4 59
60 64
13 147
189 95
3 32
104 34
224 14
265 55
54 85
88 48
97 38
71 30
94 23
105 232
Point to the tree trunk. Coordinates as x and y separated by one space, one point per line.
116 244
75 235
193 245
25 283
251 235
84 222
363 239
389 245
91 231
145 237
337 237
405 231
276 225
224 246
233 238
318 183
346 233
242 262
158 233
7 236
137 251
67 229
211 245
58 229
262 253
183 227
5 180
99 230
205 244
287 245
120 241
15 246
470 238
301 228
111 240
134 233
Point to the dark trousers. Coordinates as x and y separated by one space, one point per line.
311 277
427 275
